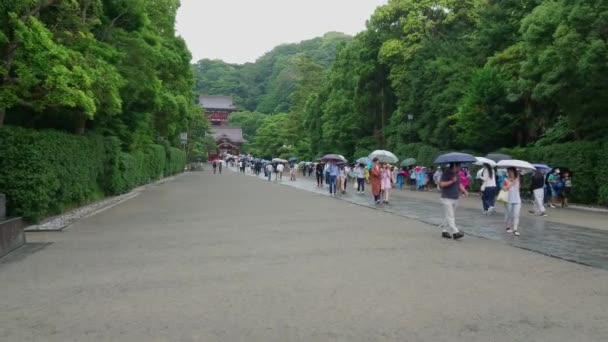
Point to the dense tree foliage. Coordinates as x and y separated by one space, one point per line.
112 66
478 75
265 86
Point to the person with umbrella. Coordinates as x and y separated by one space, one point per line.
360 175
269 169
319 173
375 176
488 189
333 171
386 178
538 191
450 193
511 186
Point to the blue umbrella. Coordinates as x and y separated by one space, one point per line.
542 167
455 157
364 160
292 159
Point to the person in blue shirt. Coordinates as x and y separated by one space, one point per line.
332 171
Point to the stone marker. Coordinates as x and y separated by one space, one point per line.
11 230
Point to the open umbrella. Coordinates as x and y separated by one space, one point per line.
408 162
384 156
518 164
482 160
342 157
279 160
499 156
293 159
455 157
332 158
542 167
364 160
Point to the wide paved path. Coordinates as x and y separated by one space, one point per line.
232 258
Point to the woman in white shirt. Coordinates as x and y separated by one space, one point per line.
488 189
513 205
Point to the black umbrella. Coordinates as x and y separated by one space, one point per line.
455 157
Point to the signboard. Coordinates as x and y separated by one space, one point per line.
183 137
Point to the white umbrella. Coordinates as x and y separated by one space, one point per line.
518 164
343 159
279 160
384 156
483 160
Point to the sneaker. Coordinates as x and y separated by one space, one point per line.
491 210
458 235
516 233
552 206
446 235
544 215
531 212
509 230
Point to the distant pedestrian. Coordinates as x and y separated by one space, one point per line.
332 173
437 177
413 177
567 189
214 166
310 169
342 180
360 175
280 169
538 191
376 180
554 181
269 171
450 193
513 205
220 166
319 173
386 183
293 169
488 189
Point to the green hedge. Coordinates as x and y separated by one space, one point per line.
46 172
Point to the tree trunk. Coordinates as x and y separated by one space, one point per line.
2 115
382 117
82 122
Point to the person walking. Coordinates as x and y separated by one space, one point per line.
360 175
292 172
342 180
319 173
280 169
437 177
567 189
554 181
413 177
332 174
386 182
269 169
488 189
513 205
538 191
450 193
220 166
376 180
214 166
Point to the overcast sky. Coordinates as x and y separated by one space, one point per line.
240 31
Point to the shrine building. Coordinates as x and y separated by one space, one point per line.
229 140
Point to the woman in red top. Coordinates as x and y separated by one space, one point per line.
375 175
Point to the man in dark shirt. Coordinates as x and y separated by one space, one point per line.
538 189
450 193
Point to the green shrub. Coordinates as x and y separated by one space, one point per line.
46 172
176 161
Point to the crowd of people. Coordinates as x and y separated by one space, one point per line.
548 187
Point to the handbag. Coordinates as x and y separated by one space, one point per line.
503 196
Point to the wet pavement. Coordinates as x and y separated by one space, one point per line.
584 245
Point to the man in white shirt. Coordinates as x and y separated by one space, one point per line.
269 170
280 169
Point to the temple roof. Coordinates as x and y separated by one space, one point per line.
234 134
216 102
